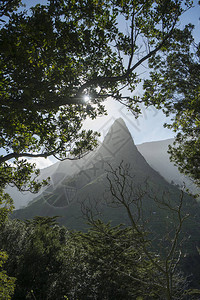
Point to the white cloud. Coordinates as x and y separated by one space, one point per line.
41 162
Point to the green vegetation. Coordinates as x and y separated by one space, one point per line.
7 283
50 262
174 86
51 57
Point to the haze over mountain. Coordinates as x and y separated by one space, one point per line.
158 158
54 172
155 153
84 185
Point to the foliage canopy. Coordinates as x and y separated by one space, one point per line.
105 263
174 86
55 54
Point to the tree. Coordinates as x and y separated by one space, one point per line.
7 7
130 197
105 263
174 86
6 206
118 266
54 55
7 283
36 254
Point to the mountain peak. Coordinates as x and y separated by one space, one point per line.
118 140
119 124
119 128
120 121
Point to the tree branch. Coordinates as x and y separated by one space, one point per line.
45 155
129 71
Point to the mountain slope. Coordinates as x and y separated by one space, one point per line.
157 157
88 187
55 173
21 199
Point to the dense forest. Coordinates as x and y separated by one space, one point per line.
50 262
53 56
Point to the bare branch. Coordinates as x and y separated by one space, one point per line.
100 80
118 183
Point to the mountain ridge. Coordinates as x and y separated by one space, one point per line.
89 184
154 153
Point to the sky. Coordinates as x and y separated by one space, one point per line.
149 126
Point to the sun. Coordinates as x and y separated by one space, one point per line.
86 98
